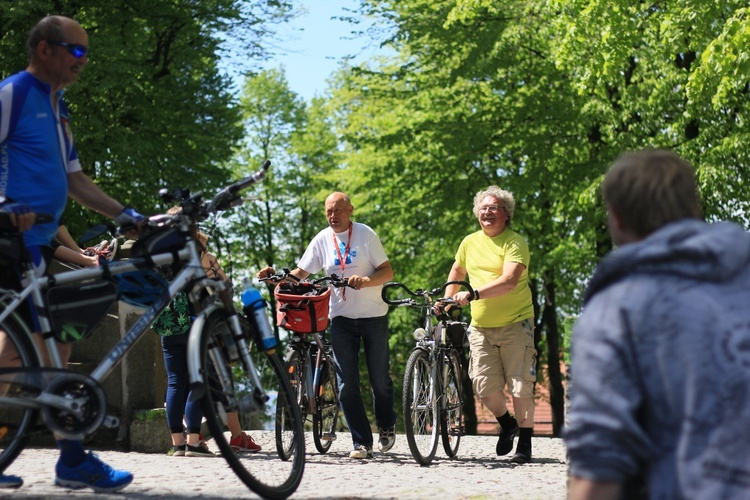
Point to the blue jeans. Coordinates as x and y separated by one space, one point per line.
346 336
179 402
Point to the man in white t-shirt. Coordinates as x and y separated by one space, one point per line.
358 317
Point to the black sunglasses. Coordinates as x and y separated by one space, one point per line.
77 51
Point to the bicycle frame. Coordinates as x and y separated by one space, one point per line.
191 275
191 278
432 395
310 380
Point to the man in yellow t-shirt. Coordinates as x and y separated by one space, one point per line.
501 335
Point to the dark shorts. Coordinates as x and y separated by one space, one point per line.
10 279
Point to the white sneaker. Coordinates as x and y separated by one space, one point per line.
386 439
361 452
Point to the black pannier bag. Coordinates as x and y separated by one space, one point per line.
76 310
11 248
456 334
161 240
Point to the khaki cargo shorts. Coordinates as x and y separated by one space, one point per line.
504 355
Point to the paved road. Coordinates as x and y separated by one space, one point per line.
476 473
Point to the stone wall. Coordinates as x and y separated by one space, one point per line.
138 383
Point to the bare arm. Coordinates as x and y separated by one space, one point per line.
382 274
82 189
586 489
507 282
457 273
64 237
67 254
212 266
214 270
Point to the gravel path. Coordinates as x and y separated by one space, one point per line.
477 473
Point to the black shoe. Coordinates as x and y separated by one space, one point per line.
177 450
505 439
523 454
198 450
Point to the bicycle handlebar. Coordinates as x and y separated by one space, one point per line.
195 208
334 281
228 197
285 275
41 218
425 295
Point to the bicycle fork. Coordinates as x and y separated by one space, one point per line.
446 405
309 387
313 389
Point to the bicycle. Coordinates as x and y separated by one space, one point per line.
223 369
433 378
302 309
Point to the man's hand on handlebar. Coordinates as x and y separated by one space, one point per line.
269 275
462 298
357 282
443 306
130 222
20 215
265 273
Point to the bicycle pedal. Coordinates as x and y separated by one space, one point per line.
328 437
111 422
456 431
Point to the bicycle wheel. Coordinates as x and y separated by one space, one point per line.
231 388
327 405
16 351
294 366
451 407
420 412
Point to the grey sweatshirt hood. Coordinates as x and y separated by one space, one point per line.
689 248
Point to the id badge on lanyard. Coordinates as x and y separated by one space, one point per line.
342 260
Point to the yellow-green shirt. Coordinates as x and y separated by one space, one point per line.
483 258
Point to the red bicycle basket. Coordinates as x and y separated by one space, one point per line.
302 307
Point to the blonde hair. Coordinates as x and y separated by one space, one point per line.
649 189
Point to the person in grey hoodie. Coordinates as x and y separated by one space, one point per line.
660 370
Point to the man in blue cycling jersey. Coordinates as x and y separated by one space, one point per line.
39 169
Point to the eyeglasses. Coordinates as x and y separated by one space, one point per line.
77 51
491 208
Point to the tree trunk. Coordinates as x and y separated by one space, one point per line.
470 407
549 324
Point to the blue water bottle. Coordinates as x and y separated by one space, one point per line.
254 307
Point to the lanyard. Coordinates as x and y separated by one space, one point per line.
342 260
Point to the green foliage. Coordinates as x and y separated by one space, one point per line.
535 96
151 109
538 97
275 228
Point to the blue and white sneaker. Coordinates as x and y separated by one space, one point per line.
8 481
91 473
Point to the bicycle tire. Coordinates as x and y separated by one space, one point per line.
293 368
262 472
15 422
420 408
451 407
327 406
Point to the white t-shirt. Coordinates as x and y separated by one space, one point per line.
365 255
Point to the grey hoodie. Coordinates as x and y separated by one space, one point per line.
660 389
